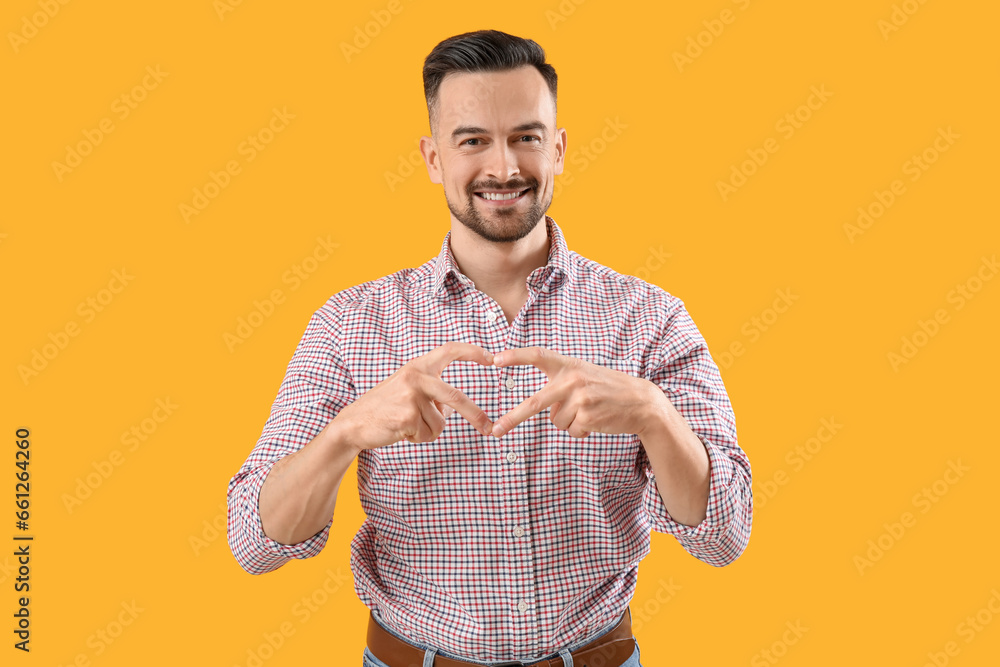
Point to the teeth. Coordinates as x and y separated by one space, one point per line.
492 196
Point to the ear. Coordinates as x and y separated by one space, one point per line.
428 148
560 150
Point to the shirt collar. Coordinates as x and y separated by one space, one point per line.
446 277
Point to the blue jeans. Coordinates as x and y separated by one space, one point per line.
369 660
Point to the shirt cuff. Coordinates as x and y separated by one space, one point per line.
702 540
257 552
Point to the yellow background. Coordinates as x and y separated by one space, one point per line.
652 190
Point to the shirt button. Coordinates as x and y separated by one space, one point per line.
511 456
468 298
491 316
510 383
519 532
522 606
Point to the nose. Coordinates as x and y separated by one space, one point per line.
501 164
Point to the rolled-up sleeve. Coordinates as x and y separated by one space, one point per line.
680 364
315 388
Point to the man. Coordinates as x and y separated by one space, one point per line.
521 416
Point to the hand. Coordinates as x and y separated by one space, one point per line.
584 398
413 403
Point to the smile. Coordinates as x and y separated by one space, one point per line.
498 196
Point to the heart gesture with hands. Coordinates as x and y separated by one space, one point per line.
414 403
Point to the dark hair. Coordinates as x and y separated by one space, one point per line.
482 51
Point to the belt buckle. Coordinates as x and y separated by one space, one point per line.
515 663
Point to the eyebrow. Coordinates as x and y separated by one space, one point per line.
523 127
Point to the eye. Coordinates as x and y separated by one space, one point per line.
531 136
468 140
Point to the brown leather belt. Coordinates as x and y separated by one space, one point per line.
611 649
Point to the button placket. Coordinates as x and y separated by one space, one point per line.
519 547
516 514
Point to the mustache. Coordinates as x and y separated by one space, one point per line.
496 185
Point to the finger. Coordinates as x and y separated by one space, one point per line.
449 396
530 406
425 432
434 419
446 410
575 431
548 361
560 416
568 419
439 358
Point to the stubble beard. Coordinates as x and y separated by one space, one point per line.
503 225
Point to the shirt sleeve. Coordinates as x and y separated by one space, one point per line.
316 386
682 367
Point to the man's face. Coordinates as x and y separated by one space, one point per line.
496 150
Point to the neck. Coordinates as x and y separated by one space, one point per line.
499 269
